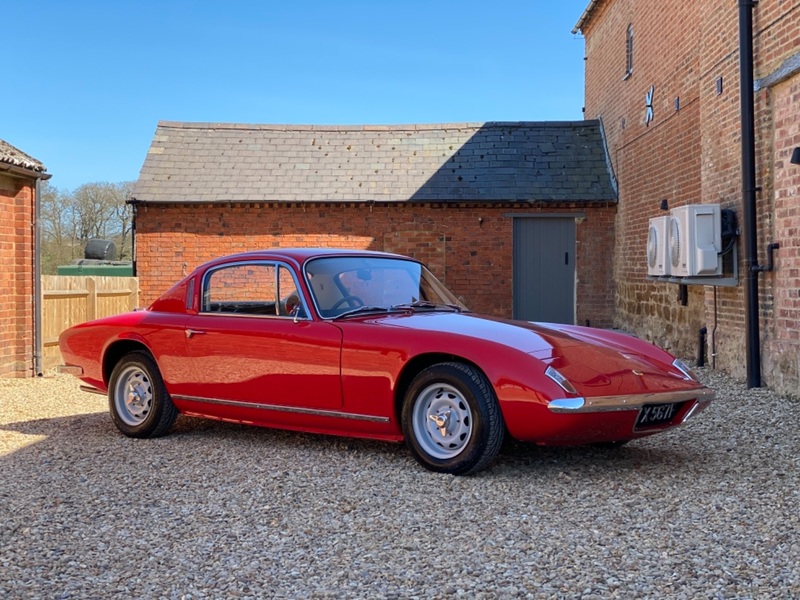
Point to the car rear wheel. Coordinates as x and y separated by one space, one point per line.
451 419
139 403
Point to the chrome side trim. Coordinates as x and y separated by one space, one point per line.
289 409
91 390
633 402
228 315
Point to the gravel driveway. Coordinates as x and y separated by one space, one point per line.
711 510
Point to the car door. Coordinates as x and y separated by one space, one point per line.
253 340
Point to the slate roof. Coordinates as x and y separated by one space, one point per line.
17 158
465 162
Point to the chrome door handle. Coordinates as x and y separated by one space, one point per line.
191 332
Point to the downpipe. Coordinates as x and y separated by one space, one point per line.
753 339
134 212
38 348
37 280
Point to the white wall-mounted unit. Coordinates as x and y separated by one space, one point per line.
658 260
695 241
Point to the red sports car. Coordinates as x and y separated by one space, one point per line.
371 344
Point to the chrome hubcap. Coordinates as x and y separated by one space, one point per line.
133 396
442 421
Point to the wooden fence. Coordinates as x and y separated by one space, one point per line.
71 299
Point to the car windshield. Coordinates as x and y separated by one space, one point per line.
345 285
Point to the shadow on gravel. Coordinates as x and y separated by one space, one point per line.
518 459
48 427
80 435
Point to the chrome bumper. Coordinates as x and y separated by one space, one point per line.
571 406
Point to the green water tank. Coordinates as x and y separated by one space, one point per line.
98 269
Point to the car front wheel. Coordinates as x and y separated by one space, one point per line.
139 403
451 419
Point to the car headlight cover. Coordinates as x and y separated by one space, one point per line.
681 366
562 381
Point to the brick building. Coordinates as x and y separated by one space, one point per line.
682 59
19 177
515 217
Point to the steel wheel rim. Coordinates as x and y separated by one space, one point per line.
442 421
133 396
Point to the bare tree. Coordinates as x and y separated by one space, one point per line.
93 206
58 242
123 217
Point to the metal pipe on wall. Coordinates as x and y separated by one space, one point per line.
38 347
134 205
37 280
38 351
753 339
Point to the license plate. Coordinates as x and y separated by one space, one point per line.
653 415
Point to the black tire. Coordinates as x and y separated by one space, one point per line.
451 419
138 401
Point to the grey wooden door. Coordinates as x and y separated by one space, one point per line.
544 269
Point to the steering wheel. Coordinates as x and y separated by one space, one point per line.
354 301
290 304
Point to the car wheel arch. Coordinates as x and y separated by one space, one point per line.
116 351
415 366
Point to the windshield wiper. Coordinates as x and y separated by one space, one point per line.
406 306
428 305
366 309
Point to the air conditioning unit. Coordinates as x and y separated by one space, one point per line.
658 262
695 241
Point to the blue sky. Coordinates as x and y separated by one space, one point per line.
85 83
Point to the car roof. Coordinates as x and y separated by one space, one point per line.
301 255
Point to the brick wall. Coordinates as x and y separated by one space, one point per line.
782 334
720 140
16 276
652 162
468 247
648 174
693 154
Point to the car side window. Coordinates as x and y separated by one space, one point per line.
242 289
253 289
290 302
